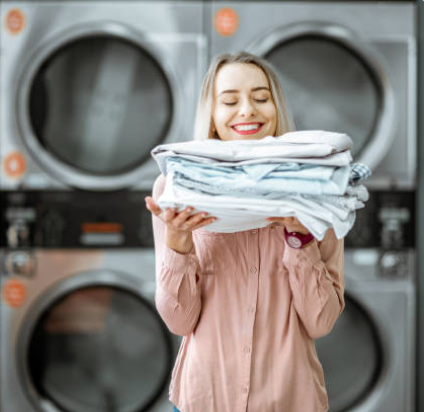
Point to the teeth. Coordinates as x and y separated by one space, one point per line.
247 127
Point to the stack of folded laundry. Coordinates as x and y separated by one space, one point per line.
306 174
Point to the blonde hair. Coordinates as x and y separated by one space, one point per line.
203 128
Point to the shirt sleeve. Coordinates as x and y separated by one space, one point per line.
178 296
317 282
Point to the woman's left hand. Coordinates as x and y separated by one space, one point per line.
291 224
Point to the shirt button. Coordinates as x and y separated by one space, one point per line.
251 309
245 390
253 270
246 349
254 231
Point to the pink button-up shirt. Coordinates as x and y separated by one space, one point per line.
249 308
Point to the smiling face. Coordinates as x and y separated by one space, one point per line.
243 107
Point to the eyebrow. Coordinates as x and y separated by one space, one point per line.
255 89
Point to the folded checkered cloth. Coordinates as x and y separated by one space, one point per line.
359 172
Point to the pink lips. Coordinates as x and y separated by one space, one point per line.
246 132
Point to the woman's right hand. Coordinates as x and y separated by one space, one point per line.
179 225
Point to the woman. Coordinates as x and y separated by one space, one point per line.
248 305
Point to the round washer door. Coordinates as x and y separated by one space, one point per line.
332 81
93 102
93 343
351 356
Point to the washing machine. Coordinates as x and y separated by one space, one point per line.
79 328
345 66
369 358
88 88
352 67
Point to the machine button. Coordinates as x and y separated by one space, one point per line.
18 234
20 263
393 264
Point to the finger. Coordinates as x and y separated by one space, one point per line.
152 206
182 216
194 220
277 219
204 222
277 224
169 215
295 221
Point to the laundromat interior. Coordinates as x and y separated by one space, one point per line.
89 88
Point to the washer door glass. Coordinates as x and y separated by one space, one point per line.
328 87
100 104
351 357
100 349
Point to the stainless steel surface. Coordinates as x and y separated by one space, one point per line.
389 304
169 37
170 33
60 273
420 218
376 39
387 122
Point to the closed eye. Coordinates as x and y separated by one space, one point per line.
256 100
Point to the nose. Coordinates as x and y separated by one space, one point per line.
247 109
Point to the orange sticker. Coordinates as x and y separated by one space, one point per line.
15 21
14 293
226 21
14 165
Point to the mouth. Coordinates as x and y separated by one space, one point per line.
247 128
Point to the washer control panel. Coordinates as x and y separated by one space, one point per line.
387 221
74 219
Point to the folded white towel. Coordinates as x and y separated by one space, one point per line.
236 214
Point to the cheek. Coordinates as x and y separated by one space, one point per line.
273 111
271 115
221 118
